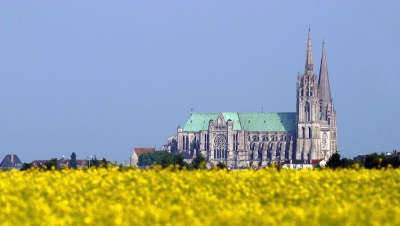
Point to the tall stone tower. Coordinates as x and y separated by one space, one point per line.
327 110
308 111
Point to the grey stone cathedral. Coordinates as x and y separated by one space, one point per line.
241 140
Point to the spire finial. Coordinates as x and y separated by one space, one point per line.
309 63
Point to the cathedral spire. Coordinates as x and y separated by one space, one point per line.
324 89
309 62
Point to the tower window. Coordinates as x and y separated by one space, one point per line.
307 111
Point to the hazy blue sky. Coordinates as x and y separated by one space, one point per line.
103 77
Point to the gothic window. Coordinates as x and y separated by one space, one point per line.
235 141
252 146
220 145
304 132
309 132
208 141
307 111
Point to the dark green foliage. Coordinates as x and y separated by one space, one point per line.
221 165
94 162
152 158
72 162
347 163
162 158
371 161
336 162
26 166
52 163
175 160
393 160
198 162
105 164
377 161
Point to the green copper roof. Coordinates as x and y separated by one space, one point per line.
268 121
253 121
199 121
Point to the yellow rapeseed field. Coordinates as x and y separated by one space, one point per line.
202 197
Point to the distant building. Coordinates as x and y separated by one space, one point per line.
137 152
11 161
61 163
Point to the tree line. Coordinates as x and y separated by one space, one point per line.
54 164
176 160
370 161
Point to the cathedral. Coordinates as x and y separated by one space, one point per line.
241 140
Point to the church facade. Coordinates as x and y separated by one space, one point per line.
241 140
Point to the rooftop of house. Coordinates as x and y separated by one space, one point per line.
11 161
142 150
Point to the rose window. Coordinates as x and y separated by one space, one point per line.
220 142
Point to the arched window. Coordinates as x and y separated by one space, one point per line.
309 132
307 111
304 132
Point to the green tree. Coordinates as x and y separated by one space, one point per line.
334 161
73 163
221 165
26 166
105 163
162 158
94 162
372 161
198 162
51 164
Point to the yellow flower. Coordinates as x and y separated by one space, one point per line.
200 197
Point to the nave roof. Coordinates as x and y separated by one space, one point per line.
249 121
